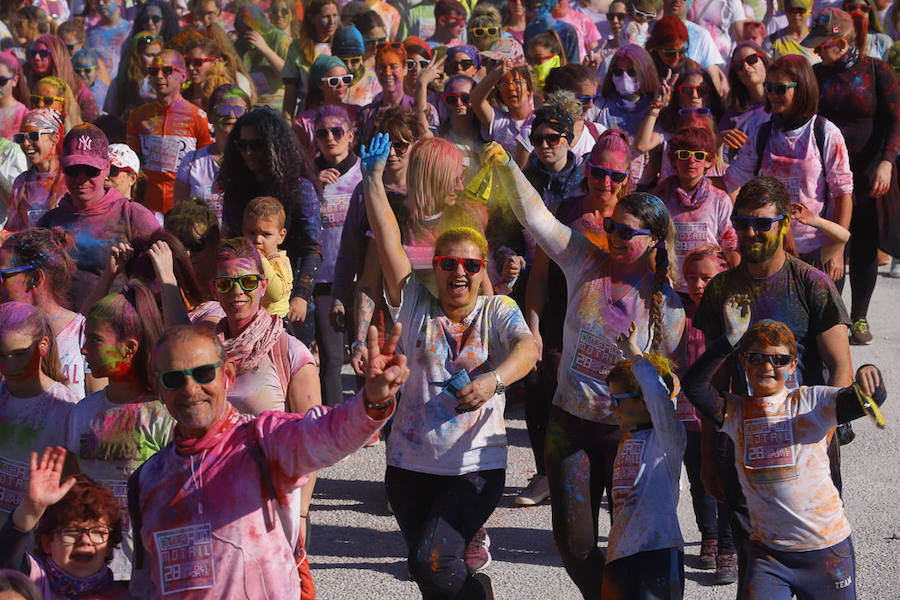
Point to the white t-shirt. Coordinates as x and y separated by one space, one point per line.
111 441
646 474
68 343
781 455
199 169
428 435
717 17
504 129
28 425
261 390
701 46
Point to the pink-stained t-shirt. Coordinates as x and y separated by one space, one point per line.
702 216
11 119
781 445
646 474
793 158
28 425
68 343
593 320
261 390
587 33
504 129
204 517
33 194
428 435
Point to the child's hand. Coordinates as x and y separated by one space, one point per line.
737 317
801 213
627 343
375 157
735 138
44 487
868 379
492 151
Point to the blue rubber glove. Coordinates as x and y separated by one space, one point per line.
375 157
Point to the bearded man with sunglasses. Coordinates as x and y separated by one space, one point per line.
100 218
162 132
781 287
217 511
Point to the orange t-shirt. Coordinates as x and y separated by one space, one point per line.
161 136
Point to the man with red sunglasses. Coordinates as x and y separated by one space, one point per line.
162 132
449 24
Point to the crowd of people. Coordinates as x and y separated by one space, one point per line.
635 217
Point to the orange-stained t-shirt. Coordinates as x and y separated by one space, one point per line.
161 136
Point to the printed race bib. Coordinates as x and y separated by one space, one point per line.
185 558
120 491
689 235
626 469
769 448
594 356
13 484
334 210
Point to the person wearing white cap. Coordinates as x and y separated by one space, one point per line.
124 168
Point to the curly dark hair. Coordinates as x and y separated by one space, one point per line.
170 20
287 163
86 501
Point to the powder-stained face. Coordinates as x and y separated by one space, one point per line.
457 288
106 354
40 59
198 65
390 71
766 379
513 89
48 90
240 305
630 251
6 89
20 354
760 246
38 150
547 153
600 185
698 273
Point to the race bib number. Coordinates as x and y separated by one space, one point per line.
334 210
163 153
185 558
626 469
768 443
13 484
594 356
689 235
120 491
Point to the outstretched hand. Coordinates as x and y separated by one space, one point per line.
492 151
44 488
628 344
385 371
737 317
375 156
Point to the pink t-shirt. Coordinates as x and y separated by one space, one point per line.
11 119
262 390
588 36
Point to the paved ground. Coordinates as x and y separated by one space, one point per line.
357 552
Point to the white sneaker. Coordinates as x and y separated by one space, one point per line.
537 490
895 269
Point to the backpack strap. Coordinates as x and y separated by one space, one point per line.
134 513
592 129
283 365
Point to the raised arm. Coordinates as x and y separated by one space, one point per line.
646 138
428 74
480 105
395 264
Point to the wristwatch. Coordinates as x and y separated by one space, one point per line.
500 387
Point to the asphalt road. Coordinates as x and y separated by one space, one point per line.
357 552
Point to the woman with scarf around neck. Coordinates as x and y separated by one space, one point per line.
791 154
40 188
113 431
606 181
607 291
628 89
73 529
861 96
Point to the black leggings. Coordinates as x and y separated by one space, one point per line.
438 515
580 456
863 255
712 516
540 387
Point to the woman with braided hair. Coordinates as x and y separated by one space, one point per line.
607 290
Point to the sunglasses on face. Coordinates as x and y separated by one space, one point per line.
697 155
336 132
674 51
399 147
689 90
821 47
796 10
642 16
776 360
411 63
457 99
600 173
79 170
339 80
45 101
484 31
385 44
230 110
9 272
166 70
84 71
759 224
619 71
552 139
616 16
5 80
199 62
177 378
778 89
72 535
375 41
589 100
329 20
623 232
31 136
43 53
248 283
153 19
281 12
615 399
451 20
462 65
749 60
860 7
255 145
702 111
451 263
115 170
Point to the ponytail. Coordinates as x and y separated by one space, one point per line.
660 278
861 31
